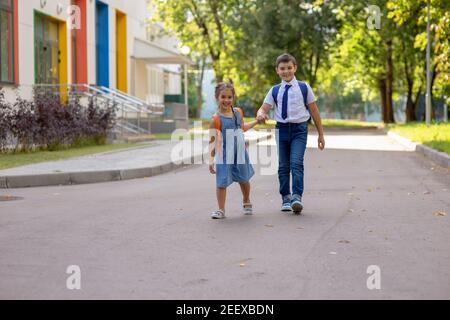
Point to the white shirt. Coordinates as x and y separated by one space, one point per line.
296 111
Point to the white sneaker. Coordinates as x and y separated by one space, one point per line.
219 214
248 209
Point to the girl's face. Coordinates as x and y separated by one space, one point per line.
225 99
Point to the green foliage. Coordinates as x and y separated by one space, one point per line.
338 55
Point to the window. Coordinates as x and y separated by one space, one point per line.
6 41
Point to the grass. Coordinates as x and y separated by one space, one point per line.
11 160
436 136
327 123
349 124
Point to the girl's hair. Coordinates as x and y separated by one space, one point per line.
224 86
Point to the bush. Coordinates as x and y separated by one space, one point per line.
48 122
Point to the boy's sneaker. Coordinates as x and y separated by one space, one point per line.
219 214
296 204
286 204
248 209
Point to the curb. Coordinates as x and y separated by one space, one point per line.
439 157
88 177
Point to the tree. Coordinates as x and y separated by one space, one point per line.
363 57
200 25
410 16
266 29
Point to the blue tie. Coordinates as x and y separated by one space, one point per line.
284 105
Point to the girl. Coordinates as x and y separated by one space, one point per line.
228 123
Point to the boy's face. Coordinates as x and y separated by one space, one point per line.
225 99
286 70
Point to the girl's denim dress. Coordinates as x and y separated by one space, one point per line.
233 165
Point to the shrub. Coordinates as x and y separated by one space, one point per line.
49 122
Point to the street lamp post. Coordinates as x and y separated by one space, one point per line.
428 94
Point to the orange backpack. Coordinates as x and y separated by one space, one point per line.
217 119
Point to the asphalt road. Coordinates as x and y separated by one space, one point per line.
153 238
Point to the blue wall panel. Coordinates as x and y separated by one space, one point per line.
102 36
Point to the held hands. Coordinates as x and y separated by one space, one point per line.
211 169
261 118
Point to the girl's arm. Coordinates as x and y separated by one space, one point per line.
249 125
212 144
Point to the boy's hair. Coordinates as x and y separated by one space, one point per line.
286 57
224 86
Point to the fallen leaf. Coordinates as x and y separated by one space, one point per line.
440 214
268 225
350 194
344 241
369 190
332 252
426 192
300 228
242 265
351 210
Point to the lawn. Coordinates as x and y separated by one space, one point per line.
11 160
327 123
436 136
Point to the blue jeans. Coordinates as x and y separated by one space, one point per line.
291 141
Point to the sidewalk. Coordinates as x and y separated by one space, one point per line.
113 166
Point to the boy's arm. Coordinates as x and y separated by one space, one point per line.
314 111
263 111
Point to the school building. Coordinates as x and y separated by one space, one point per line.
104 44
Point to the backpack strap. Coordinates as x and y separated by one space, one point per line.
241 113
217 121
303 89
275 91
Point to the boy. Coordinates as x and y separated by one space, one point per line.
294 104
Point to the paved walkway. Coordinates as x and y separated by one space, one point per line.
153 239
127 164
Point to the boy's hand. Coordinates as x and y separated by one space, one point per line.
261 118
321 142
211 169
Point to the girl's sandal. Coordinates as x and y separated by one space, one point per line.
248 209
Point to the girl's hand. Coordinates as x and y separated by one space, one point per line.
321 142
211 169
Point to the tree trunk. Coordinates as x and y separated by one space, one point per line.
389 85
382 88
410 105
200 88
433 77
